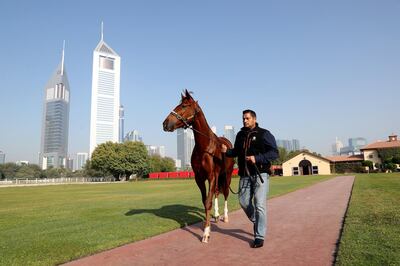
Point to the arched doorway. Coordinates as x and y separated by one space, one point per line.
305 167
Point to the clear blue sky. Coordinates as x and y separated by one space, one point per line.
312 70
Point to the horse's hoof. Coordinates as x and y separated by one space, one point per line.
205 239
225 219
216 219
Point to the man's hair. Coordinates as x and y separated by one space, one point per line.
251 112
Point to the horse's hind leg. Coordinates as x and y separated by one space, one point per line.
226 195
216 208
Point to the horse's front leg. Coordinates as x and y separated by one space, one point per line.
208 207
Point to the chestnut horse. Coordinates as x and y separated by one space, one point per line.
208 162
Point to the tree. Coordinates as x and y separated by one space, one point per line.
389 166
9 170
167 164
51 172
90 171
135 158
28 171
396 159
121 159
368 163
159 164
389 154
155 163
282 156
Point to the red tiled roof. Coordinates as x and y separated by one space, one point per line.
382 145
347 158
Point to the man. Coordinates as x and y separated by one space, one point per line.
255 148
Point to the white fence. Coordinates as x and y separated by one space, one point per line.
61 180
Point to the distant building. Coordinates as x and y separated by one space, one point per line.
185 145
2 157
354 146
55 121
283 143
133 136
121 124
295 144
20 163
229 133
81 159
156 150
105 103
371 151
70 164
288 145
178 164
336 147
306 163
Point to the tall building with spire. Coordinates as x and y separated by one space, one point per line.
121 124
55 121
104 119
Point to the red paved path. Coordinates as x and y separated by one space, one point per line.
303 229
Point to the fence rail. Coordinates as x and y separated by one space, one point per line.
61 180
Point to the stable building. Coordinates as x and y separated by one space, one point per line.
371 151
306 163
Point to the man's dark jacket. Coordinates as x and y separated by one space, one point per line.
258 142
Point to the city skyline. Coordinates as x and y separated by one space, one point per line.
309 70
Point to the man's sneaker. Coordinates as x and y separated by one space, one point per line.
258 243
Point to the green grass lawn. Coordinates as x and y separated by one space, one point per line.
47 225
371 234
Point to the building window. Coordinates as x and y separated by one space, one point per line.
371 156
50 94
315 170
295 171
106 63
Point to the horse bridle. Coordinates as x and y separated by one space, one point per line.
186 121
182 119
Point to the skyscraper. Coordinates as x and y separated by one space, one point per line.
289 145
295 144
336 147
185 143
104 120
81 158
156 150
133 136
121 124
229 133
55 121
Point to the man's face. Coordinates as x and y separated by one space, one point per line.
249 121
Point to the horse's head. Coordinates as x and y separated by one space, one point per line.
183 115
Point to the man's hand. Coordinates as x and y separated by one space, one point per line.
252 159
223 148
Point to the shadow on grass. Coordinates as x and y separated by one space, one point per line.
187 215
184 215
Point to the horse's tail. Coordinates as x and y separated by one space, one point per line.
222 175
223 182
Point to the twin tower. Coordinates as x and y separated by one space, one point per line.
104 118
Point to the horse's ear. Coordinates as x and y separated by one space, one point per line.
188 94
